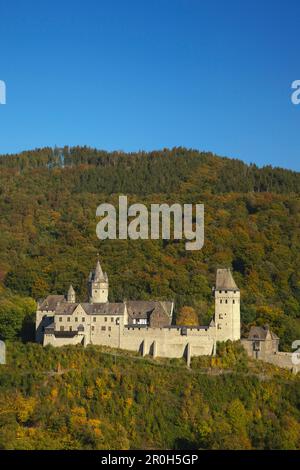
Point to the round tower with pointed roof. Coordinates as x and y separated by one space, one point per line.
71 296
98 285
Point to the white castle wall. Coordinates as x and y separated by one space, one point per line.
162 342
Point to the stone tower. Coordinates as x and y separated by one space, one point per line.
71 296
98 285
227 307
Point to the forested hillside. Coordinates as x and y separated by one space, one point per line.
70 398
47 232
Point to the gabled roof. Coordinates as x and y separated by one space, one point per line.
224 280
107 308
141 309
261 333
66 308
51 302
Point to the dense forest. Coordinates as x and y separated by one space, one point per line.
47 232
70 398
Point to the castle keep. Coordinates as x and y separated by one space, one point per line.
144 326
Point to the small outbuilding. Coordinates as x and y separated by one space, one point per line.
261 342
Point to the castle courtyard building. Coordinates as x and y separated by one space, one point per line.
144 326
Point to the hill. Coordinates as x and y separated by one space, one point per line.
252 224
70 398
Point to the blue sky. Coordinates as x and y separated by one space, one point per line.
148 74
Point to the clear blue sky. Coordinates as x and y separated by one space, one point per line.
148 74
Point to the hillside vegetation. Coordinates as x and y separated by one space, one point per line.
71 398
47 232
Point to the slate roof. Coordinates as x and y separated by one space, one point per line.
49 328
66 308
137 309
260 333
225 281
108 308
97 274
141 309
51 302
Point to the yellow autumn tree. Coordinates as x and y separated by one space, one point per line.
187 316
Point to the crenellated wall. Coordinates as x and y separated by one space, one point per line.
161 342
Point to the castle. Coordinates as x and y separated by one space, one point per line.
144 326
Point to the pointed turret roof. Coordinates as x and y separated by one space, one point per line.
71 290
98 274
225 281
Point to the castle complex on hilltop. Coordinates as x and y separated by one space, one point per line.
144 326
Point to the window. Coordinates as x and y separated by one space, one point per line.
83 319
220 316
105 318
68 319
94 319
220 292
60 318
109 328
76 318
70 328
93 328
112 319
103 328
221 301
117 321
226 292
226 301
233 301
62 328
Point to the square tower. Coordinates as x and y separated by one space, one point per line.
227 307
